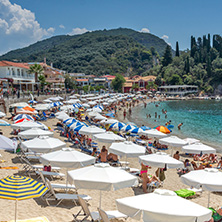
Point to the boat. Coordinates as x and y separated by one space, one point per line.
217 98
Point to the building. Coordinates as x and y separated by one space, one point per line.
17 74
109 79
180 90
139 81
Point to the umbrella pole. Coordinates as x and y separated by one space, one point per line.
16 203
66 179
208 199
100 199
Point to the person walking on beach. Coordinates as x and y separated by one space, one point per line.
179 126
130 111
124 114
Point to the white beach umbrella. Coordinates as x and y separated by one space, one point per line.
85 105
26 125
97 109
42 107
62 116
54 99
2 114
153 133
100 117
160 159
101 177
127 148
173 141
93 113
34 132
43 144
91 130
191 140
162 205
109 121
21 104
60 113
108 137
198 148
47 101
73 97
92 103
210 179
67 158
8 144
4 123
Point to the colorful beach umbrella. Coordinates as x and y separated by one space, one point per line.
20 188
22 120
162 129
4 123
21 116
117 126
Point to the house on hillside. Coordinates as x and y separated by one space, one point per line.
139 81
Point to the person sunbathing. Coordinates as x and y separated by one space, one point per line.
196 157
219 165
212 158
176 155
204 157
95 152
103 155
112 157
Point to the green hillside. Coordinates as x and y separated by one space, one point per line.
99 52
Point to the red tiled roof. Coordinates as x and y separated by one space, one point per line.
15 64
82 80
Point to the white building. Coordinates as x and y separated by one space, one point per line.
18 72
178 90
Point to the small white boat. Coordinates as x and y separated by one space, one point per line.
217 98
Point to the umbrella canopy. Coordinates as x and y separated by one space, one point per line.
7 144
91 130
2 114
42 107
127 148
20 188
197 148
101 177
117 126
108 137
109 121
77 128
209 178
173 141
93 113
22 120
126 128
163 129
97 109
153 133
85 105
34 132
135 130
162 205
47 101
67 158
191 140
62 116
4 123
22 104
21 116
159 160
26 125
100 117
43 144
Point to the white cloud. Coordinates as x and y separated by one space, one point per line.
78 31
19 27
166 39
145 30
62 26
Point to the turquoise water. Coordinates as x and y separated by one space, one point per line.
202 119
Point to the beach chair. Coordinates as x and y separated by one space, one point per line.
50 174
107 215
57 185
85 213
63 196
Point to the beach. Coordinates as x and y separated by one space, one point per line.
37 207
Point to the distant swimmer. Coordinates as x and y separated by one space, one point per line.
179 126
220 132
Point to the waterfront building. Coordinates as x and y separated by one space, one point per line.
180 90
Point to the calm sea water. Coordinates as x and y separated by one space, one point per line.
202 119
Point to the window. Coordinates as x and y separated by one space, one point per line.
13 72
18 72
22 72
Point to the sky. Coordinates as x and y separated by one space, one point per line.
24 22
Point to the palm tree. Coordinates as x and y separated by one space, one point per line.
37 69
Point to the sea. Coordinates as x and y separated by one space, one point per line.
202 119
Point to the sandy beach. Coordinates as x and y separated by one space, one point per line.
37 207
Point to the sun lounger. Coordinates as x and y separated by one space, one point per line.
57 185
50 174
64 196
94 215
107 215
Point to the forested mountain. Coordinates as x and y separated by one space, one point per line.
99 52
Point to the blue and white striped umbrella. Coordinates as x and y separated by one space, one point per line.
32 101
126 128
56 104
21 116
68 119
117 126
136 130
77 105
74 121
98 106
78 128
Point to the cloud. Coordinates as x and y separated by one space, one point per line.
62 26
78 31
19 27
145 30
166 39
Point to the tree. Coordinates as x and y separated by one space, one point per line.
177 49
37 70
42 81
175 80
135 86
167 57
118 82
151 85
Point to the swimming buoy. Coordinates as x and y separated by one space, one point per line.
170 126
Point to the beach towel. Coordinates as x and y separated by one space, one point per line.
9 168
37 219
185 193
